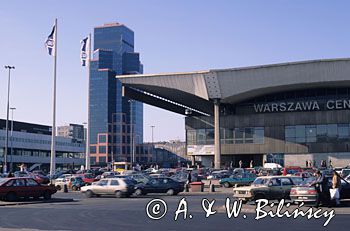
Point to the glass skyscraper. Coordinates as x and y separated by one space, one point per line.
115 120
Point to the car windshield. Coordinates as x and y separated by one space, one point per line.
3 181
305 181
261 181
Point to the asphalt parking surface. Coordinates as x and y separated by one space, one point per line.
109 213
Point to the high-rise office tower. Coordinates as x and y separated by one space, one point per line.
115 121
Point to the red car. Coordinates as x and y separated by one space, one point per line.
41 179
88 178
13 188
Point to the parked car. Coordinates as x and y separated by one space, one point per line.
13 188
75 183
291 170
272 166
157 175
239 180
310 194
118 187
216 175
159 185
345 172
303 174
21 174
41 179
59 183
267 187
39 172
139 178
109 174
88 178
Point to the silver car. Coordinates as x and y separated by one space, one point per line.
118 187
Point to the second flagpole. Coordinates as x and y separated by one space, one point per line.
53 138
87 155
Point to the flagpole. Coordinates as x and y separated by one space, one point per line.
53 136
87 155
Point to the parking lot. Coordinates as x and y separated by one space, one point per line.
72 211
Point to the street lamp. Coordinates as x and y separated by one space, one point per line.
12 111
132 159
7 118
152 127
87 159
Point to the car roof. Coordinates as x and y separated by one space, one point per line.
268 177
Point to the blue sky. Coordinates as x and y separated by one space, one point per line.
171 36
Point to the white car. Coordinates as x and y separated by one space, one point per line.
119 187
60 182
109 174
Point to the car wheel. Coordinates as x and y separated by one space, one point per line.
227 185
138 192
47 195
170 192
259 196
74 188
118 194
58 187
89 194
11 196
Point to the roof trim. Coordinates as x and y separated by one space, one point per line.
281 64
162 74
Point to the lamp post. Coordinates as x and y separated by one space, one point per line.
132 159
7 118
152 127
11 152
86 147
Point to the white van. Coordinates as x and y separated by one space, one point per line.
272 166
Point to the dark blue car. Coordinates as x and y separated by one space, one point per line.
159 185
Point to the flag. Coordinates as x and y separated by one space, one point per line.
84 51
50 42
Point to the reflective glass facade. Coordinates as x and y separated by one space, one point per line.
331 133
249 135
289 128
111 115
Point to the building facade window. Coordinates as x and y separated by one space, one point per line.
248 135
321 133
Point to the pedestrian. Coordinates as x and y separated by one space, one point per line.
189 177
307 163
10 175
251 164
336 187
330 164
321 185
240 163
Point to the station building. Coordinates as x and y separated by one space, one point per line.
288 113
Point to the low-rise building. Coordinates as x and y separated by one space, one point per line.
30 144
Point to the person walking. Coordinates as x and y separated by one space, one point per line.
336 186
240 163
189 177
322 188
251 164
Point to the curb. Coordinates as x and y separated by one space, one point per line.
55 200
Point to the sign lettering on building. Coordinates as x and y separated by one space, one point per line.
312 105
